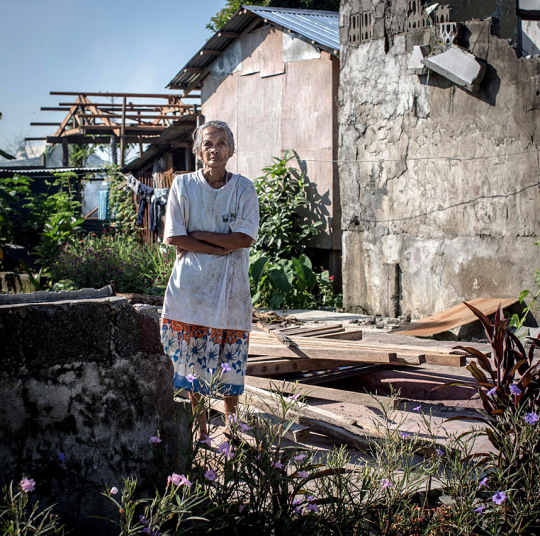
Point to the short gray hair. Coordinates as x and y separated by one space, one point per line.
219 125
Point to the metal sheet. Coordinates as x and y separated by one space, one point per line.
456 316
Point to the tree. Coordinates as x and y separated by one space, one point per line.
232 6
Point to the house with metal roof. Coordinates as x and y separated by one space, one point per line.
272 75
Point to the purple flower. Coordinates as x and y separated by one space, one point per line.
479 510
226 367
515 390
178 480
210 475
499 497
155 440
240 508
483 483
439 451
61 457
190 378
244 427
404 435
27 484
417 408
232 418
114 490
302 474
311 507
278 465
143 520
294 398
531 418
300 457
492 392
207 441
225 449
385 483
296 502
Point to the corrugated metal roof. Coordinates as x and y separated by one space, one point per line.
45 171
320 27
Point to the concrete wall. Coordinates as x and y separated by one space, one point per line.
86 378
439 185
278 93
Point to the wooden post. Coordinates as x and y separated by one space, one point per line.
114 155
187 159
123 133
65 153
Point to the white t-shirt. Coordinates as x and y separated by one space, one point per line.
206 289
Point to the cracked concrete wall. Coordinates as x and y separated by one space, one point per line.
439 186
87 378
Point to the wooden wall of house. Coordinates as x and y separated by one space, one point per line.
273 104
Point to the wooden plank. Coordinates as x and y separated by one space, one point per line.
275 367
454 317
300 329
353 354
131 95
350 335
325 393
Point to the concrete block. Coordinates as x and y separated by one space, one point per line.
459 66
414 62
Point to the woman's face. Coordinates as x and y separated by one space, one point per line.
215 149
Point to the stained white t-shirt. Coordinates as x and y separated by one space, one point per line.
206 289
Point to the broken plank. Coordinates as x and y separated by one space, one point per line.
305 332
326 393
272 367
319 420
300 329
292 430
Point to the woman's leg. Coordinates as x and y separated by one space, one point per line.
230 407
199 412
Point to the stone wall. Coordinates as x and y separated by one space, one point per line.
439 185
86 378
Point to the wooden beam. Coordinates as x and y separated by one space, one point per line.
35 139
131 117
58 109
207 52
45 124
360 356
91 138
325 393
123 134
107 105
193 70
275 367
112 94
230 35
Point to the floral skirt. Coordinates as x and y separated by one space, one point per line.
206 359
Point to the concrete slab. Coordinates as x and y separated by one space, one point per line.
459 66
414 63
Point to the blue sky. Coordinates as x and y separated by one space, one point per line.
90 45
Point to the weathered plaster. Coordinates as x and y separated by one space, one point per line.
422 187
76 378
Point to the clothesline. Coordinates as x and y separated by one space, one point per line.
415 158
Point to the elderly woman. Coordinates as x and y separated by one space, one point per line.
212 219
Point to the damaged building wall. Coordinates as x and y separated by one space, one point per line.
439 184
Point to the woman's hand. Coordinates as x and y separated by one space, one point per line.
180 252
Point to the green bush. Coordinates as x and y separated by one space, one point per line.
94 262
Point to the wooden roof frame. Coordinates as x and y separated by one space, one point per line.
97 122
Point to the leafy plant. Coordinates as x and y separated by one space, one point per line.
122 208
283 230
516 321
289 283
93 262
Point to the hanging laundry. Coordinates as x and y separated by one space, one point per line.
134 184
144 198
159 200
